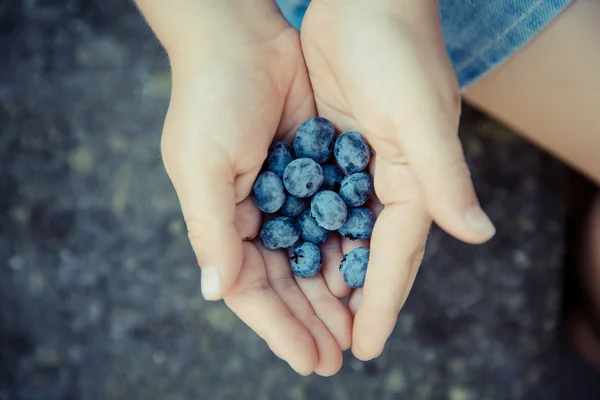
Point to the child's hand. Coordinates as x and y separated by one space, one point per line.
380 67
228 102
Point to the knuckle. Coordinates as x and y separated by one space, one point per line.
387 308
252 289
282 283
258 286
198 235
196 226
402 196
310 320
400 200
457 167
397 185
453 174
407 260
325 299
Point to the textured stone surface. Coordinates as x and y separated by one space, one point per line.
99 292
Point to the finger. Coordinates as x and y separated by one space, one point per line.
331 251
204 184
397 247
282 281
435 153
328 308
247 219
259 306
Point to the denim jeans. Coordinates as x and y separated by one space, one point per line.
479 34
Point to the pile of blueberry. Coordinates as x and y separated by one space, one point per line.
314 187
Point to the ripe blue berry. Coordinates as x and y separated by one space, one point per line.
314 139
268 193
310 230
359 224
354 267
305 260
280 233
352 152
303 177
332 178
293 206
280 155
329 210
357 189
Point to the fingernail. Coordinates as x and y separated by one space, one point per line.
478 220
211 283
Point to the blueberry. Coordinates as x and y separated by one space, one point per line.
329 210
268 192
303 177
305 260
354 267
280 155
357 189
332 177
293 206
310 230
314 139
359 224
352 152
280 233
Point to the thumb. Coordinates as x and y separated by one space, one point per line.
204 182
438 160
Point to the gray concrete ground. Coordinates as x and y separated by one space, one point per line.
99 291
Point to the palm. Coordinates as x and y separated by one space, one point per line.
368 76
264 96
353 93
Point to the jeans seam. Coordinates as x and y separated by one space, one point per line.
499 37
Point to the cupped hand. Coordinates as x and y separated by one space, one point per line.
227 106
381 68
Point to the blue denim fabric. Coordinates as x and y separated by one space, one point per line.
479 34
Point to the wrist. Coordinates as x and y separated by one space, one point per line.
189 28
